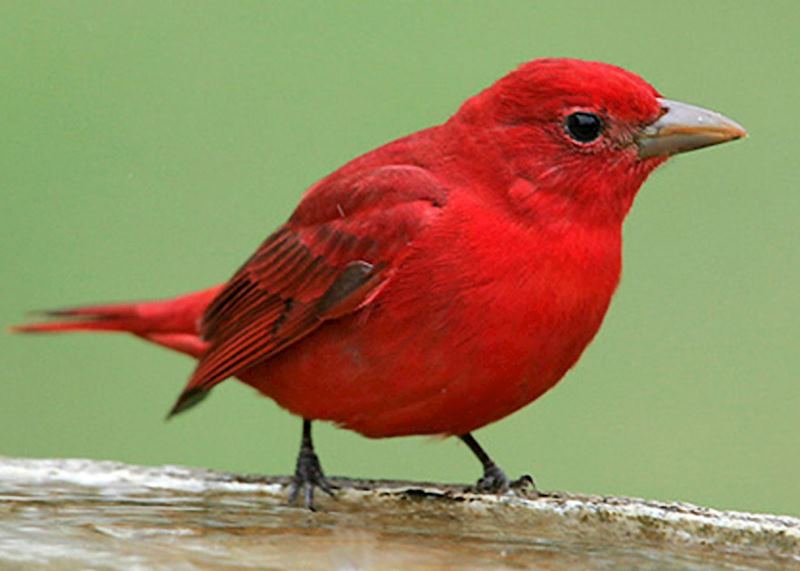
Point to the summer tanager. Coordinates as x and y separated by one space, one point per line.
444 280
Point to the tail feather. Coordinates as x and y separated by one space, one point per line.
171 322
115 310
121 317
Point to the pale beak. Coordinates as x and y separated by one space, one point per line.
684 127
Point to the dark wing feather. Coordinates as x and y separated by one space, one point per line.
346 237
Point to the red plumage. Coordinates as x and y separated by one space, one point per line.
444 280
496 249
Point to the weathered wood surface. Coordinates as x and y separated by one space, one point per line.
80 514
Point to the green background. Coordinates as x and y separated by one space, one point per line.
146 148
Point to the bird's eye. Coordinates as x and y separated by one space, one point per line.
583 127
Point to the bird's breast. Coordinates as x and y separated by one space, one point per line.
525 300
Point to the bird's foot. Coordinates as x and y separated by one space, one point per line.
308 475
495 481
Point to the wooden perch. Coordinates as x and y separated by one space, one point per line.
78 514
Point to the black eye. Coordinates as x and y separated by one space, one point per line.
584 127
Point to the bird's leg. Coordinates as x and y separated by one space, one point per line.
308 473
494 480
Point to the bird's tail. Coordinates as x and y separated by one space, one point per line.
118 317
171 323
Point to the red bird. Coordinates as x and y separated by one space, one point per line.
444 280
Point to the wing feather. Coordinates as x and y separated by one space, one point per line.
346 237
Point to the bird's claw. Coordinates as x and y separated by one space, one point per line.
309 475
495 481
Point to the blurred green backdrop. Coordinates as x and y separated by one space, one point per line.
146 148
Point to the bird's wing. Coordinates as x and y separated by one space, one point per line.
345 239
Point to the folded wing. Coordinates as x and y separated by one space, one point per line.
346 238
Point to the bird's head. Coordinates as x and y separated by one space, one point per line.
583 136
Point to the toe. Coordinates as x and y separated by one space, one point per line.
526 486
307 476
494 481
309 497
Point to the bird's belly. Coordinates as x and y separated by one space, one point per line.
443 365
